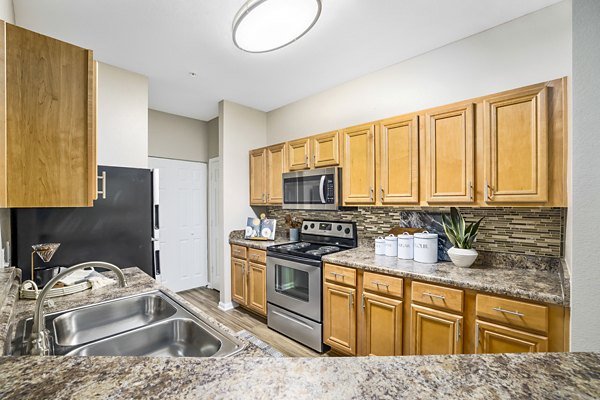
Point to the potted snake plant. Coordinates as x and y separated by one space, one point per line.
462 237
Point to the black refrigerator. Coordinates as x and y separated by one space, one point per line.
120 228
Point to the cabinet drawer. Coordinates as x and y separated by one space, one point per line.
238 251
337 274
384 284
438 296
257 256
513 312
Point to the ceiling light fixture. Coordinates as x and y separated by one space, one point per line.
261 26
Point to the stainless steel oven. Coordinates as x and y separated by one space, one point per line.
317 189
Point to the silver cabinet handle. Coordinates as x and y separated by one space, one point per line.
337 274
314 159
471 190
437 296
457 330
371 192
293 320
381 193
476 338
351 300
103 191
489 191
363 301
380 284
268 195
307 163
518 314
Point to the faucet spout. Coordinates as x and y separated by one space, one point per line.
38 341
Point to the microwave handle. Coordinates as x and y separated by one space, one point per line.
322 188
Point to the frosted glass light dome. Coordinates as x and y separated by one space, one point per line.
266 25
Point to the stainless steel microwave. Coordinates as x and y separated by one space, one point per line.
317 189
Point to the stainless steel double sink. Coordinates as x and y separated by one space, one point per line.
148 324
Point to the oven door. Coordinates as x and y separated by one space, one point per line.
295 285
317 189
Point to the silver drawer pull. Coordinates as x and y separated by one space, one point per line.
437 296
337 274
502 310
380 284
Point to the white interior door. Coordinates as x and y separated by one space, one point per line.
214 224
183 223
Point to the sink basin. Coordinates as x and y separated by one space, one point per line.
148 324
173 338
96 322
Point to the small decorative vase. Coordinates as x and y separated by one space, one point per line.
294 234
462 257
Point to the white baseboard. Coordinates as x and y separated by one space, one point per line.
227 306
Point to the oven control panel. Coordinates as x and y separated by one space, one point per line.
329 228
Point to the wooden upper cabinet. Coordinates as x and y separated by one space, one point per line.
399 160
493 338
516 146
276 166
326 149
48 113
435 332
298 154
258 176
359 165
449 153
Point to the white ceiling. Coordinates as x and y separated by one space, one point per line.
166 39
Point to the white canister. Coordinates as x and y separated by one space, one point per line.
391 246
426 247
405 246
380 246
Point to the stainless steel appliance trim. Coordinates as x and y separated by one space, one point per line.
310 172
295 327
309 309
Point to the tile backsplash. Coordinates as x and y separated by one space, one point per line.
531 231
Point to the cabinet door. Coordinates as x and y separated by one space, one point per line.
435 332
50 144
298 154
326 149
257 288
383 324
399 162
359 165
493 338
258 176
238 280
276 165
339 317
450 155
516 147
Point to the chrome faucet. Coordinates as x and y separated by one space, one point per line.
38 341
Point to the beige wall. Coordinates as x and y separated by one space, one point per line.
585 207
240 129
176 137
213 138
122 135
7 11
530 49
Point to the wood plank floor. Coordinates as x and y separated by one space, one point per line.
237 319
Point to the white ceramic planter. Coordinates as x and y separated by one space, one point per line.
462 257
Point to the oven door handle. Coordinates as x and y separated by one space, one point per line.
293 320
322 188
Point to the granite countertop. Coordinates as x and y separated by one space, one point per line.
137 282
237 237
544 286
505 376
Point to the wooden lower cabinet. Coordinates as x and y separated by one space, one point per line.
238 280
435 332
257 288
339 317
249 279
492 338
383 325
